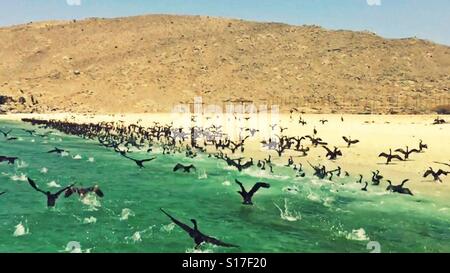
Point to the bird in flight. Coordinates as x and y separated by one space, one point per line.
194 233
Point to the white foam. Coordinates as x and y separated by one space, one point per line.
126 213
91 201
21 230
226 183
22 164
91 159
63 154
77 157
168 227
90 220
43 170
20 177
53 184
356 235
203 175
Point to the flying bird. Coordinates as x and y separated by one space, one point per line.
247 196
186 169
194 233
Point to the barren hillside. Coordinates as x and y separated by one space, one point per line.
150 63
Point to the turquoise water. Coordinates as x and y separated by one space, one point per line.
316 216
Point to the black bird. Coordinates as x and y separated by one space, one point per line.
332 155
5 134
1 193
323 121
399 188
365 187
350 141
186 169
31 132
438 121
435 175
422 146
390 156
360 179
11 138
140 163
376 178
194 233
11 160
83 191
247 196
51 197
57 150
407 152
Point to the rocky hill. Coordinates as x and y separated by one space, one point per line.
150 63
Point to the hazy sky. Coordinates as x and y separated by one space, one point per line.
389 18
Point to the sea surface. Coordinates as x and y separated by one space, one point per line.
294 215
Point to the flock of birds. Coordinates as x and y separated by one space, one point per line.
120 138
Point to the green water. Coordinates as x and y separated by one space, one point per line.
325 216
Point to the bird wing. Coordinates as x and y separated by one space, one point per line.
1 193
398 157
383 155
98 192
346 139
69 192
354 141
33 184
326 148
177 167
427 173
64 189
240 185
186 228
147 160
440 172
414 151
400 151
257 186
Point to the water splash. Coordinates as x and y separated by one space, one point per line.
126 213
168 227
90 220
53 184
77 157
21 230
43 170
288 215
20 177
91 159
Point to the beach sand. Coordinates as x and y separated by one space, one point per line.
377 133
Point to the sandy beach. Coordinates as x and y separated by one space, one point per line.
377 133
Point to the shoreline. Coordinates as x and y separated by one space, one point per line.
377 133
